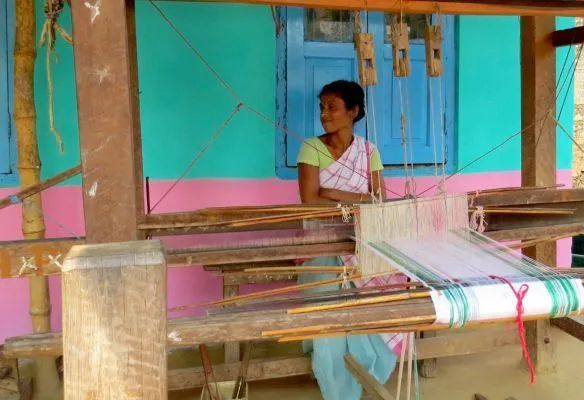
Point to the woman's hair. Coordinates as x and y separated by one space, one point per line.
351 93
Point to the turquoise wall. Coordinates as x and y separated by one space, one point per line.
489 94
182 104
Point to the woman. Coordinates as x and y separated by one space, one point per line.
339 166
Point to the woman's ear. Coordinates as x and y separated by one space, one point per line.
354 112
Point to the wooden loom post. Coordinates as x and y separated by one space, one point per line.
111 154
114 321
29 170
538 150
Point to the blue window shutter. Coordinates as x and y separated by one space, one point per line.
310 66
411 95
305 66
4 92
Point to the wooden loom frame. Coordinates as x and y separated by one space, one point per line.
112 213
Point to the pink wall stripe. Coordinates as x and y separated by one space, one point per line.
64 217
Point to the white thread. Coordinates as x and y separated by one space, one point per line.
55 261
27 263
346 213
477 220
94 9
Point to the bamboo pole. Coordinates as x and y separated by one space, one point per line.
29 167
29 164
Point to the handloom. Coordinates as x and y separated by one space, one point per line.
470 277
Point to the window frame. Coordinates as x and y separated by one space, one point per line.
6 84
284 171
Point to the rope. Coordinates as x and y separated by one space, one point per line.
200 153
529 126
477 220
520 295
53 9
228 87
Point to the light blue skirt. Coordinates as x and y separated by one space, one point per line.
328 363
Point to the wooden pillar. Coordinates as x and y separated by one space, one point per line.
114 321
109 118
538 149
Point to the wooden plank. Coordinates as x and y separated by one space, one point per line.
182 257
31 190
459 344
370 384
34 257
531 197
259 369
114 321
536 232
106 69
571 325
538 150
476 7
498 222
568 37
227 328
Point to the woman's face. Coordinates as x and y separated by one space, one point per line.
334 115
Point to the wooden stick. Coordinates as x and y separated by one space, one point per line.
542 211
39 187
273 292
410 365
209 375
299 270
302 269
401 366
333 328
242 377
532 242
508 189
362 302
270 218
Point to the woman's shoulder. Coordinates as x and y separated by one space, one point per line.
314 140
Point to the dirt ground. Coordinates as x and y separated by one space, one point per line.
497 376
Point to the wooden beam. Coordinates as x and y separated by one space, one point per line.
259 369
508 235
106 72
34 257
465 343
114 321
538 150
475 7
568 37
31 190
571 325
531 197
228 328
185 257
370 384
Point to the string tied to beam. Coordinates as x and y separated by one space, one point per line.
477 220
51 27
520 295
345 213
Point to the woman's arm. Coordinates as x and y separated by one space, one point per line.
311 192
309 184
